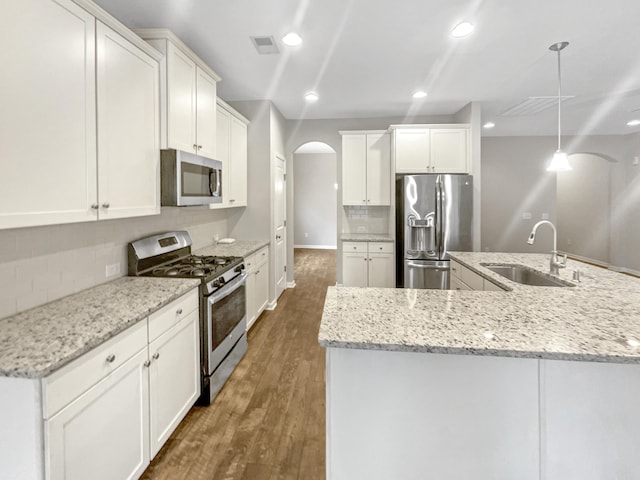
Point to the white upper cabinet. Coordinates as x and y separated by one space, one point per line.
231 150
128 128
79 116
188 90
47 114
366 168
431 149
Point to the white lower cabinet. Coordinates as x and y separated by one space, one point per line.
367 264
257 284
462 278
174 378
103 434
105 415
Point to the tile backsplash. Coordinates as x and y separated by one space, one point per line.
41 264
366 219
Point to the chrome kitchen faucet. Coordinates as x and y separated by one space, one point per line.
554 264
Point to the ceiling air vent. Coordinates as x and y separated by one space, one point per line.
265 45
533 105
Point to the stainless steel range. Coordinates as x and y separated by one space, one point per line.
223 313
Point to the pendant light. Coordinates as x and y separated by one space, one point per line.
559 162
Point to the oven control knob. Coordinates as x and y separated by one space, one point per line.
220 281
239 268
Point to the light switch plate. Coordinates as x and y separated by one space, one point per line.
526 216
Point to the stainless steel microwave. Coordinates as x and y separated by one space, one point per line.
188 179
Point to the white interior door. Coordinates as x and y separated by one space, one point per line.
279 222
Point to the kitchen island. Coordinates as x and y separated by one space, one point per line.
527 383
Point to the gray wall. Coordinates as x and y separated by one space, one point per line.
515 181
315 200
42 264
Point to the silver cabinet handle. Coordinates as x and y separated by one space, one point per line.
105 205
199 147
156 356
278 237
147 363
111 358
232 200
195 146
179 311
94 206
257 272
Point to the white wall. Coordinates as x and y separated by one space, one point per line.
42 264
315 198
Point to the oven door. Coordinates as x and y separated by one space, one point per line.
226 319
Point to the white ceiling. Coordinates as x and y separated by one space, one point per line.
366 57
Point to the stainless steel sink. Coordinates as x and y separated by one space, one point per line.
525 275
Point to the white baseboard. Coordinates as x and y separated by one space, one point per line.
317 247
272 305
291 284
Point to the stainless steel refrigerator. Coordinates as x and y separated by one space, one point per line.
433 217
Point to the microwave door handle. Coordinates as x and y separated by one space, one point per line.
216 192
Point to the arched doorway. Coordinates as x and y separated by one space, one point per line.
315 196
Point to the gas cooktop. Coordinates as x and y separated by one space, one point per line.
195 266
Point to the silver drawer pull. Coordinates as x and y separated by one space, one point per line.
106 205
111 358
94 206
179 311
156 356
147 363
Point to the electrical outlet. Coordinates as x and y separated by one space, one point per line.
112 270
361 229
526 215
306 235
544 216
636 161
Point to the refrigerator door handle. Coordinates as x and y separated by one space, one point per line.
439 217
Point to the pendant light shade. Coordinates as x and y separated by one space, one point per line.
559 162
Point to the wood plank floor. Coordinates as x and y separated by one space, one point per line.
268 422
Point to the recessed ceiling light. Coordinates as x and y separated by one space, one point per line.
489 125
633 123
419 94
311 97
292 39
462 29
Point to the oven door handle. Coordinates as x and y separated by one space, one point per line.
228 288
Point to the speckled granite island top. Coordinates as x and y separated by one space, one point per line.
591 321
239 248
37 342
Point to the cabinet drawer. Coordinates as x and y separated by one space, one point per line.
63 386
380 247
165 318
456 268
358 247
262 255
250 262
457 284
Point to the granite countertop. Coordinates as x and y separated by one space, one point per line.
365 237
591 321
239 248
39 341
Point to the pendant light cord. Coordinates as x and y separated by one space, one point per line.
559 100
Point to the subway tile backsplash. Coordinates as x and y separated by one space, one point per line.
42 264
366 219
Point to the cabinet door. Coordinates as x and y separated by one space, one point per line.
238 179
354 269
205 114
223 153
47 116
128 128
104 433
590 422
412 150
449 150
457 284
378 169
381 270
181 101
354 169
262 287
251 297
174 378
